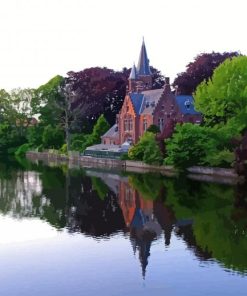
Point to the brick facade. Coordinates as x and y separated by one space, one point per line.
143 107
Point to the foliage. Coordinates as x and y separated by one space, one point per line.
22 150
9 138
146 150
200 69
34 135
219 227
124 156
225 95
98 90
153 129
100 187
198 145
52 137
45 102
99 129
63 149
148 185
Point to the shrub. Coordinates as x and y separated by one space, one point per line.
52 137
21 151
64 149
192 144
146 149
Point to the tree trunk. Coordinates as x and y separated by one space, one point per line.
67 134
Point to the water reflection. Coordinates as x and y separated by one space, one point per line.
210 218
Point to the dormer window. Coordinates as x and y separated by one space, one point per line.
187 104
127 108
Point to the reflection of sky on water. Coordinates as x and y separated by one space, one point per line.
80 265
71 234
14 230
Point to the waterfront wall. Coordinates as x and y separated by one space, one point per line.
75 159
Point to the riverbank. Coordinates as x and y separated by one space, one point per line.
209 174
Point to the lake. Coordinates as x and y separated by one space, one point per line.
94 232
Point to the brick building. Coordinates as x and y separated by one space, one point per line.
144 106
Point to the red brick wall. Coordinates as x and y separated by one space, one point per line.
166 109
148 118
128 113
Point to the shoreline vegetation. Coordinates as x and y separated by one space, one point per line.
72 113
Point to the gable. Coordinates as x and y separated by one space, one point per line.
128 106
137 100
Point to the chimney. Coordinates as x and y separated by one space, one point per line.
167 88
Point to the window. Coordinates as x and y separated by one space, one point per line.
163 107
161 123
125 124
145 124
127 108
130 125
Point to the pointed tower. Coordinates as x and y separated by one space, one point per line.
143 70
133 79
141 77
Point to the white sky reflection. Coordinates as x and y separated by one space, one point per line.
14 230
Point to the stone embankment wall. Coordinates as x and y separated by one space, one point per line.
74 159
213 171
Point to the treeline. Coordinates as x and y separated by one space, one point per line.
222 100
66 113
72 112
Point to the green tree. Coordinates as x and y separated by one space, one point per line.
225 95
192 144
52 137
146 150
153 129
99 129
34 135
10 139
45 101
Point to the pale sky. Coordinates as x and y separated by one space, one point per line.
43 38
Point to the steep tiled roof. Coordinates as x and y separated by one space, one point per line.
143 63
186 104
151 98
137 99
133 73
112 132
146 101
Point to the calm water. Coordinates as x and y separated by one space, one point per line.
87 232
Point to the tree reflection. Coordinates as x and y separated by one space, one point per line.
210 218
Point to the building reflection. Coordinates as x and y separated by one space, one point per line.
209 218
145 219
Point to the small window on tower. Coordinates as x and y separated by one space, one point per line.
127 108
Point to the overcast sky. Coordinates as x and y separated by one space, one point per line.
43 38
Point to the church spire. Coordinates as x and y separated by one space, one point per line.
143 63
133 74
